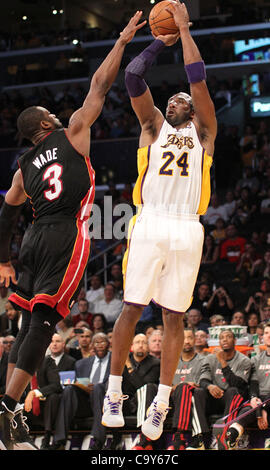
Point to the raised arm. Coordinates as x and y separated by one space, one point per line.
205 119
102 80
149 116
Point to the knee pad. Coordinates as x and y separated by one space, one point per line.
37 340
26 319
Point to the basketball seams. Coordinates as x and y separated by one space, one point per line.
162 22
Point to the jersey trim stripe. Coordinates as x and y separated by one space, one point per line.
18 300
143 179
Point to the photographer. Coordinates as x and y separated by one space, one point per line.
254 303
220 303
84 349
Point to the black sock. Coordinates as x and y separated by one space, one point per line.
9 402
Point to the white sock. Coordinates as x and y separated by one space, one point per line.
115 383
238 428
163 393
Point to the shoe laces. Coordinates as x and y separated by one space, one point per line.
159 413
19 420
115 401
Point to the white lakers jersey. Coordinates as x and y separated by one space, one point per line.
174 172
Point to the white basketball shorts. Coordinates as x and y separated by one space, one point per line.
163 259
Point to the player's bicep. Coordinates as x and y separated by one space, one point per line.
16 194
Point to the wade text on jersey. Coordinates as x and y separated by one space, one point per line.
47 157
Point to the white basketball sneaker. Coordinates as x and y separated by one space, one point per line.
152 427
112 410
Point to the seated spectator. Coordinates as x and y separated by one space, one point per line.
84 348
224 377
220 303
230 204
116 273
219 232
217 320
249 180
252 323
248 258
201 297
154 343
201 342
63 361
187 399
10 320
81 400
43 398
233 246
261 267
149 330
8 342
259 332
3 367
99 324
84 314
109 333
65 328
95 293
110 306
210 252
141 374
245 209
240 287
265 204
194 320
238 318
265 312
258 393
73 342
215 210
265 289
254 303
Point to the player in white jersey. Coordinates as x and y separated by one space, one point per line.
166 237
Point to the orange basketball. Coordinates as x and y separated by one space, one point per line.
161 21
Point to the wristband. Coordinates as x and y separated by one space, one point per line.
196 72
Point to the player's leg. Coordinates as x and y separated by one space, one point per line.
30 354
172 343
142 265
123 334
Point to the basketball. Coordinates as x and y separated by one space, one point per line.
161 21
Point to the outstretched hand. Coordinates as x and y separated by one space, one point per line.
132 27
7 274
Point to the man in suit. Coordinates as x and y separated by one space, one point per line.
43 401
83 400
63 361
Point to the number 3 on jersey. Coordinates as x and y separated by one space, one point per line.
182 163
53 174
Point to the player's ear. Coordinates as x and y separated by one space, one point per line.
46 125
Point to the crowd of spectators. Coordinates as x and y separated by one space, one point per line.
33 35
117 119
